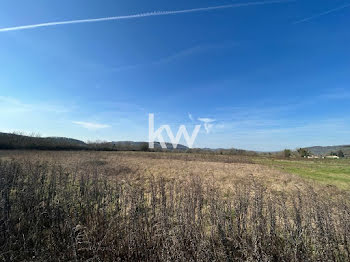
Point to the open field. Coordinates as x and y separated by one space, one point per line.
334 172
139 206
225 169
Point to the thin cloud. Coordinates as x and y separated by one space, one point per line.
155 13
321 14
180 54
190 116
13 105
89 125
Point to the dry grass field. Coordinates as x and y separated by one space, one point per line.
144 206
225 170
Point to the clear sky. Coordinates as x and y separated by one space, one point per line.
270 76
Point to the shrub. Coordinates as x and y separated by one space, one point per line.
340 154
303 152
287 153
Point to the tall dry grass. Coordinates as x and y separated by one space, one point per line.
49 214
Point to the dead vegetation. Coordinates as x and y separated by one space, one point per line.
115 207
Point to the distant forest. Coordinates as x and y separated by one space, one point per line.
21 141
36 142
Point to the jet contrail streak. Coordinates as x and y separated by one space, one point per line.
321 14
156 13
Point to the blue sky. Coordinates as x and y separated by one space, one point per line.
270 76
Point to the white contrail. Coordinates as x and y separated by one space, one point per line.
321 14
156 13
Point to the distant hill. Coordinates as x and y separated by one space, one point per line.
19 141
67 140
326 150
140 145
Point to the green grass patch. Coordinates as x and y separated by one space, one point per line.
326 171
